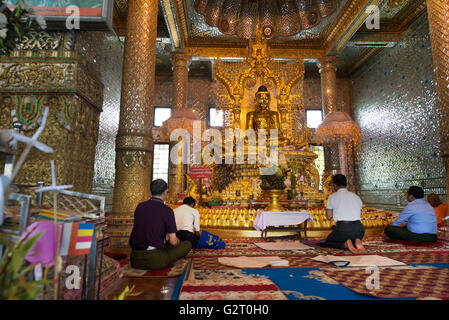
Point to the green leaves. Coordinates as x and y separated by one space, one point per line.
19 24
18 256
14 284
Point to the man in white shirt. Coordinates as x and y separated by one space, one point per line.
188 221
345 208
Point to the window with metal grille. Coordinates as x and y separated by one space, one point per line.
161 158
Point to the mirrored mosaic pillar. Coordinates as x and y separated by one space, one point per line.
328 71
134 145
438 13
181 63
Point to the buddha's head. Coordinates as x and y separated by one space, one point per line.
263 99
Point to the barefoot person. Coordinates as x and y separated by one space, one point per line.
417 222
345 208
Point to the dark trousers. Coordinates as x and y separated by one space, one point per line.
402 233
343 231
184 235
159 258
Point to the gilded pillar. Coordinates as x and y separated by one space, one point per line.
328 72
134 138
181 63
438 13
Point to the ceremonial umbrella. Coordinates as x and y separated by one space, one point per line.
338 127
183 123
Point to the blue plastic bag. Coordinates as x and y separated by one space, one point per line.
210 241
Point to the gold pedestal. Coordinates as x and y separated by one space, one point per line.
274 196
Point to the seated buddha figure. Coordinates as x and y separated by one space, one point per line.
264 118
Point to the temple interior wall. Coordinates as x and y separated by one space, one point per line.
395 101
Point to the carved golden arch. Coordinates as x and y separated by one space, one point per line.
240 80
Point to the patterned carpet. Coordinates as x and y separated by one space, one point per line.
228 285
400 282
240 247
380 246
211 263
427 274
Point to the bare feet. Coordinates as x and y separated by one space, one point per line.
350 246
360 247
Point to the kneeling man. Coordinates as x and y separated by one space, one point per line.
345 208
188 221
417 222
154 224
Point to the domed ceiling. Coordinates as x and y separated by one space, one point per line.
206 29
276 18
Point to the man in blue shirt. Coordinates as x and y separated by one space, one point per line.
417 222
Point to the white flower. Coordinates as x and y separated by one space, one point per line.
3 33
41 21
3 20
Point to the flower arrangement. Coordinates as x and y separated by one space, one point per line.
274 181
17 24
214 199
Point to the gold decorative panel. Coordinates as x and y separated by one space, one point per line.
50 72
239 82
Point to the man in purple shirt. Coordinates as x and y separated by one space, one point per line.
154 225
417 222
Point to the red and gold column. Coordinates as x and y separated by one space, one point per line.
328 72
438 13
134 145
181 63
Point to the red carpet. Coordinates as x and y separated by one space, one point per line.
174 270
228 285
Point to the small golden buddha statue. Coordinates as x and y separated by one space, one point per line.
264 118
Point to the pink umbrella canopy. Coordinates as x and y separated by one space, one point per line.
180 119
338 126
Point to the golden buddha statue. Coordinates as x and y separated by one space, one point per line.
264 118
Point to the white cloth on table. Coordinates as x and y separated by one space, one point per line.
266 219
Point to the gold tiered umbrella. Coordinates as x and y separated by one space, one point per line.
338 127
182 118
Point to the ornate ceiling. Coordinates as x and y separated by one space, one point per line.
206 29
276 18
